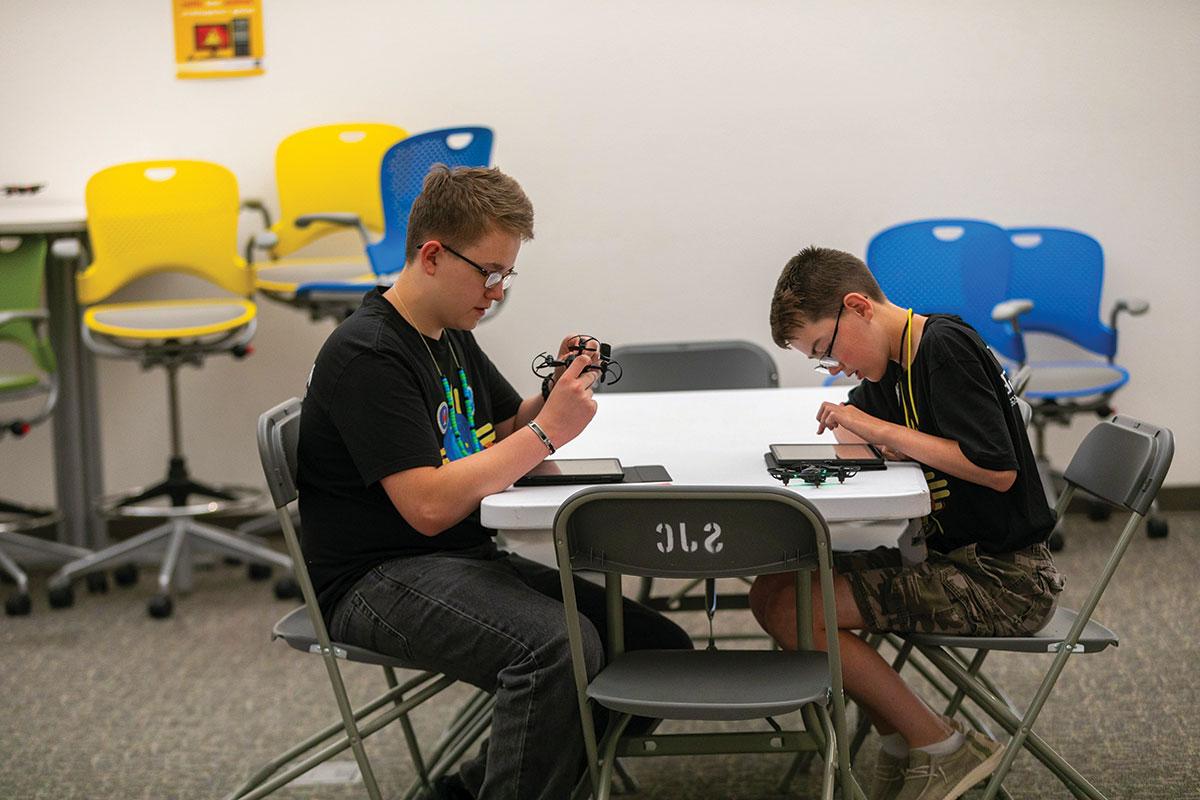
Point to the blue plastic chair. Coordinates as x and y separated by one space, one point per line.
403 173
1062 272
949 266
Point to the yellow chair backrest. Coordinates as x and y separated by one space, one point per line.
330 168
148 217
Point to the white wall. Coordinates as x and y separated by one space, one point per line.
677 154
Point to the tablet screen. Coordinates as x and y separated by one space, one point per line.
809 453
574 470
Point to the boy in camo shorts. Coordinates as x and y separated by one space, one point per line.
933 393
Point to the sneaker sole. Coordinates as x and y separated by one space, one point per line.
973 777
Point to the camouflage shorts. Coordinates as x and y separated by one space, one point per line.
965 591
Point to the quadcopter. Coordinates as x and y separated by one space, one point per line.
544 364
813 474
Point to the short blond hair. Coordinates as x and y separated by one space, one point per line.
462 204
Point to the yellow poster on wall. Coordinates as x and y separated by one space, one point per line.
218 38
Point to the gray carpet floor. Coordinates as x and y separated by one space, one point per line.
100 701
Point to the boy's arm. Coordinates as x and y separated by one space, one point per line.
937 452
530 406
433 499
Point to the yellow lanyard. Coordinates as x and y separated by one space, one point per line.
914 421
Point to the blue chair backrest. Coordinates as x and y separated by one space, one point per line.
1062 272
402 174
948 266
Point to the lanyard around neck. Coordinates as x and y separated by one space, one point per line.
906 343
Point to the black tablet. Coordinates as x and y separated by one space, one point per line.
863 456
573 470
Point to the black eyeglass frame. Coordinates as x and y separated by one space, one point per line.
490 277
826 362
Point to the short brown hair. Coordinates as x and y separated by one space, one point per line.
462 203
813 285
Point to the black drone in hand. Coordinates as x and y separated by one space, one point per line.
813 474
610 371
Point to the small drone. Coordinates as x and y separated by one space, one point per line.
813 474
610 371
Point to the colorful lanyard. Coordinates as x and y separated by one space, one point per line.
465 447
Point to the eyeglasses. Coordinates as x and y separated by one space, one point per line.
490 277
827 363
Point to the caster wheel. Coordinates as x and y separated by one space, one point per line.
1156 528
1056 541
287 589
62 596
97 583
160 606
258 572
1098 512
126 575
18 605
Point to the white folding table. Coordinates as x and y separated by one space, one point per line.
715 438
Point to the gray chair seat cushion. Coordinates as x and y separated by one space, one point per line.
690 684
1073 379
170 320
315 271
1095 637
296 629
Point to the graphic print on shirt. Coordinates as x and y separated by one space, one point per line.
452 449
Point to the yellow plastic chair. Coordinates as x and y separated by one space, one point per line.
146 218
328 180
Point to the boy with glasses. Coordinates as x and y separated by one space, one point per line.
406 427
932 392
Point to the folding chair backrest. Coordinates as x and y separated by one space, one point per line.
329 169
1123 461
948 266
278 443
149 217
402 175
1062 272
680 366
689 531
22 268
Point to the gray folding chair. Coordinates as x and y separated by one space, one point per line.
691 366
304 629
686 366
1123 462
699 532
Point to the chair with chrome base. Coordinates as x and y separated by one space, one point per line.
1062 272
304 629
704 532
22 323
328 181
1123 462
150 218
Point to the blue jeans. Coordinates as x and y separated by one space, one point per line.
495 620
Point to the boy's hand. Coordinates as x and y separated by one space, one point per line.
570 406
591 354
831 416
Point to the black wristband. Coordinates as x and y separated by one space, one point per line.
547 384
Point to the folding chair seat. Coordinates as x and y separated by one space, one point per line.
304 629
1123 462
28 399
691 366
735 531
1061 273
146 219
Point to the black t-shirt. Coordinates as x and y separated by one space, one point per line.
375 406
961 394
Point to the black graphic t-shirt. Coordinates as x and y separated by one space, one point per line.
376 406
961 394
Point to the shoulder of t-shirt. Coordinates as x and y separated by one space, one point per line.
949 339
